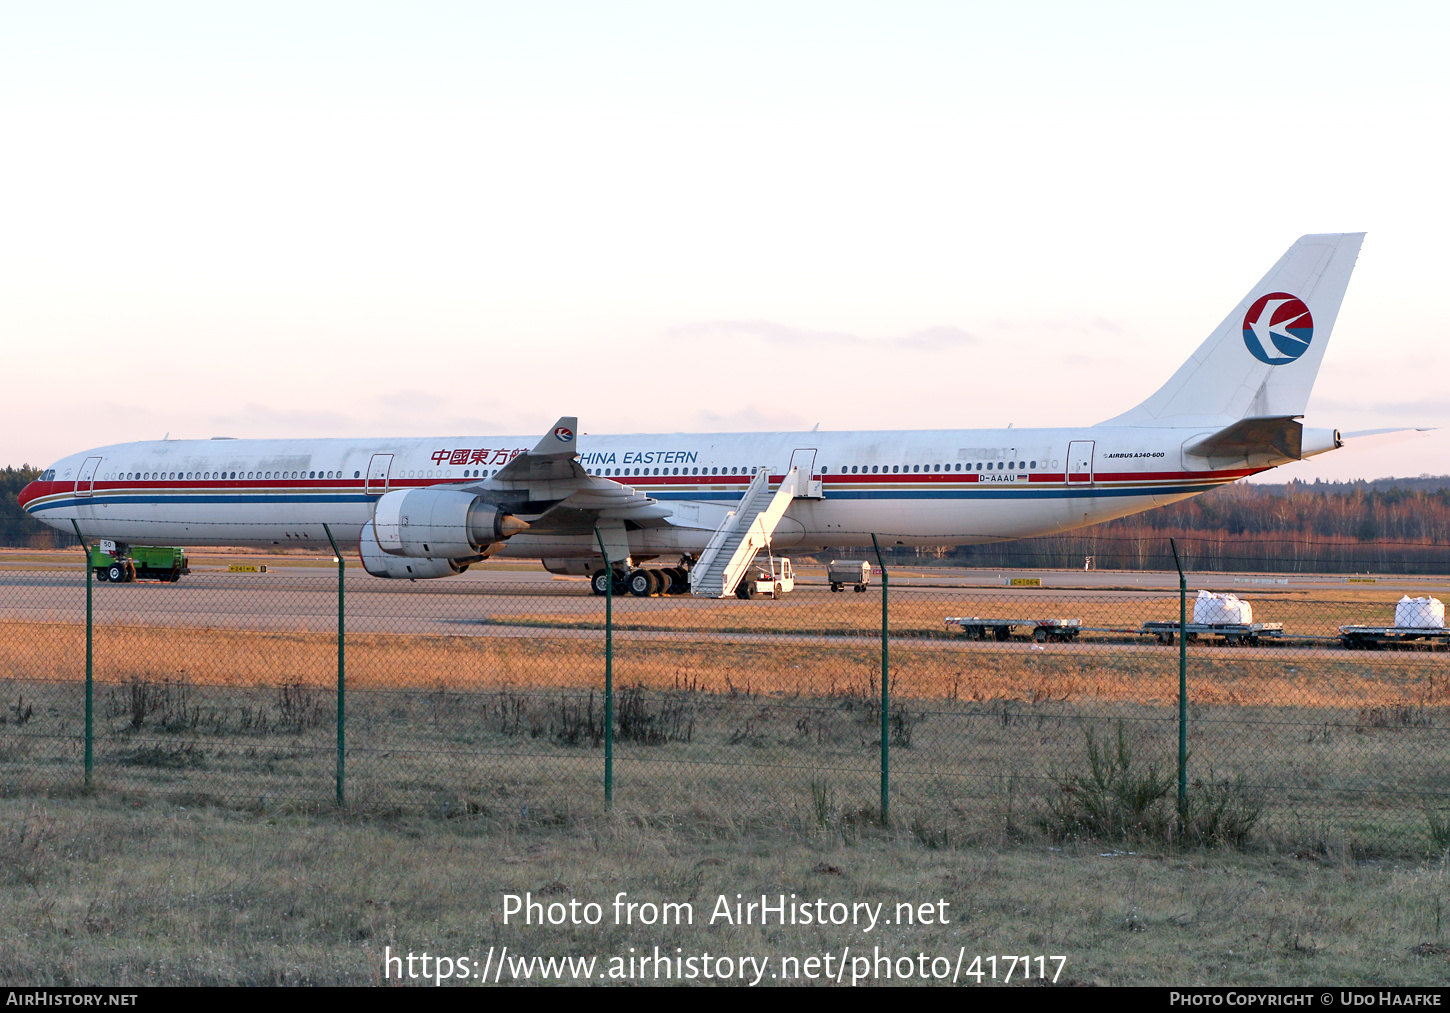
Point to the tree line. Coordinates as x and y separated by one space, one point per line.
17 528
1385 526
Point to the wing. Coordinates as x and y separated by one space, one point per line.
548 486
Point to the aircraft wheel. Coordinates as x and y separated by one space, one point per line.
640 584
116 573
101 573
599 583
860 588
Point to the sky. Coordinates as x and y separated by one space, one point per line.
315 219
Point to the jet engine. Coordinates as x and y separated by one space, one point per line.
378 563
440 524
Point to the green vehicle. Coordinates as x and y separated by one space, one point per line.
125 564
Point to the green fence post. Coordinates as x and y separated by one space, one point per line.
885 690
90 658
608 675
341 667
1182 684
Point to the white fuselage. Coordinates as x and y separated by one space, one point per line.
921 488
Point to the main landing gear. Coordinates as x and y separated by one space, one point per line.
643 583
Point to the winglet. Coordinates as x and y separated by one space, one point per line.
561 440
551 460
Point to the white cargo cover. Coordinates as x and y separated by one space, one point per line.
1420 613
1221 608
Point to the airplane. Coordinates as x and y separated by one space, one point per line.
426 508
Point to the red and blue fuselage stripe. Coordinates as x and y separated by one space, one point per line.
42 496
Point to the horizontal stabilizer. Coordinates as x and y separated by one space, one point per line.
1274 435
1385 435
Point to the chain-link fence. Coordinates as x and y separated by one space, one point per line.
1051 708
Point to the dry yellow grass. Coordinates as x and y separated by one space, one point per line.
943 670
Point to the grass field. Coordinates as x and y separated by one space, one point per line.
1339 743
137 892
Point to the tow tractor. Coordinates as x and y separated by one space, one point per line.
126 564
775 581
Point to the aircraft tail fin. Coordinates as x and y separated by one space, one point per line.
1262 360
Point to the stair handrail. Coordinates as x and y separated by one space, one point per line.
788 486
759 482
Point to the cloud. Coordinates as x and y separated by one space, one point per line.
472 424
751 418
764 330
410 401
931 339
256 417
1431 407
936 339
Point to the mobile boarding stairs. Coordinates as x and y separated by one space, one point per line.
746 530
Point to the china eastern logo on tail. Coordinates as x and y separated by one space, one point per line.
1278 328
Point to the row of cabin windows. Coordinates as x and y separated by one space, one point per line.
855 469
220 476
606 472
430 473
611 472
894 469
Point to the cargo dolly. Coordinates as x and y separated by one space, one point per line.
1233 634
1043 630
1372 638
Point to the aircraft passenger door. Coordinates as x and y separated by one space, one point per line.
1080 461
86 477
379 474
805 460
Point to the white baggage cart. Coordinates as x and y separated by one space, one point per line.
841 572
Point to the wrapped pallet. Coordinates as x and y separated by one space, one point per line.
1221 608
1420 613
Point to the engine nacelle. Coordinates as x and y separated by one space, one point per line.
440 523
378 563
